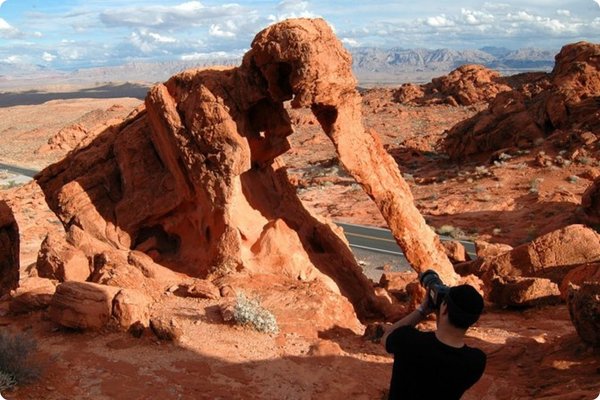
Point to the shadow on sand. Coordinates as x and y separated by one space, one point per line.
35 97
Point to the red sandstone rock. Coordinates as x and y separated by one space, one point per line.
82 305
9 250
32 294
564 99
584 309
194 180
521 291
488 250
199 288
590 203
455 251
586 273
166 328
59 260
466 85
396 283
131 307
550 256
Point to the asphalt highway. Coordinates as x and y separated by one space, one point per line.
382 241
19 170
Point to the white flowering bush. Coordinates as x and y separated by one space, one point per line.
249 312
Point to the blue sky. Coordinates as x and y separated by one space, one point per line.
72 34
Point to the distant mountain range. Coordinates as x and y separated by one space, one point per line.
399 60
371 65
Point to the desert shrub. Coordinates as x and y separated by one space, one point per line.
7 382
11 184
16 366
249 312
534 185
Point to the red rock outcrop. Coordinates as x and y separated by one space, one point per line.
549 256
590 203
59 260
523 292
194 181
584 310
468 84
578 275
9 250
566 99
32 294
82 305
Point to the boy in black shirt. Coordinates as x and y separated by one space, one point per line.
436 365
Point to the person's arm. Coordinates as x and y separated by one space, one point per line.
412 319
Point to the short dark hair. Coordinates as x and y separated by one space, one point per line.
464 305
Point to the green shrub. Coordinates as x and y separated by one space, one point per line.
16 367
249 312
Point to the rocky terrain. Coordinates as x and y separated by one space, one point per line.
127 258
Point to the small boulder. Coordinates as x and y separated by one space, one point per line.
586 273
489 250
455 251
548 256
82 305
130 307
584 308
522 292
59 260
199 288
33 294
165 328
396 283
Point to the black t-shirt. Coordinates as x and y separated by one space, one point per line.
425 368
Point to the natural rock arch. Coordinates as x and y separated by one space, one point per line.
194 180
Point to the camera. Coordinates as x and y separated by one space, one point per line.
436 290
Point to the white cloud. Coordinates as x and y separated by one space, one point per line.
162 39
48 57
13 59
70 54
439 21
292 9
565 13
7 30
520 16
350 42
217 31
472 17
2 2
213 55
189 6
597 2
176 17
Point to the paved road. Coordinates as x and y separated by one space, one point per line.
19 170
381 240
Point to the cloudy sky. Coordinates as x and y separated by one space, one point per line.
68 34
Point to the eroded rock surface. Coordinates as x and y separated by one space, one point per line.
9 250
194 181
564 100
584 309
468 84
